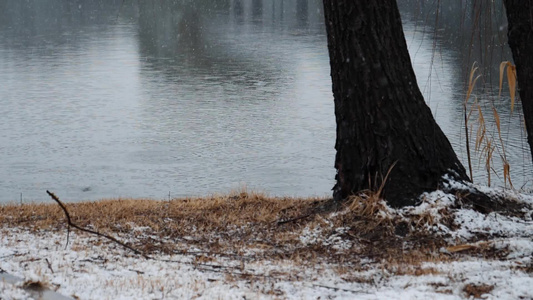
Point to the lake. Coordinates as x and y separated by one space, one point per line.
169 98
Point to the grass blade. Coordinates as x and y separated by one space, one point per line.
502 67
511 77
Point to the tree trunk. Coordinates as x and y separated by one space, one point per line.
382 119
520 35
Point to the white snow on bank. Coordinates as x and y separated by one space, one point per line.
316 235
12 292
493 224
108 272
437 205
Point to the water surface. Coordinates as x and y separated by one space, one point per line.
151 98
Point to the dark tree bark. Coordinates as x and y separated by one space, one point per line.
520 35
381 115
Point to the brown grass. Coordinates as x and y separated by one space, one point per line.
216 224
34 285
476 291
486 142
245 226
206 214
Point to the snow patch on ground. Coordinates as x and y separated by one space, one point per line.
11 292
438 205
317 235
109 272
494 224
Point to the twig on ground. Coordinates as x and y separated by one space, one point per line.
56 199
49 265
295 219
14 254
318 207
340 289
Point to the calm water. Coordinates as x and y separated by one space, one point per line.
148 98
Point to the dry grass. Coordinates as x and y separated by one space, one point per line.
34 285
245 226
206 214
488 142
216 224
476 291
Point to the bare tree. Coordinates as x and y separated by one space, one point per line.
384 127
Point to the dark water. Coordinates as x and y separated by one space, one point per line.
142 98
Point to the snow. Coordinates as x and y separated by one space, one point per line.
315 235
90 268
108 272
473 222
11 292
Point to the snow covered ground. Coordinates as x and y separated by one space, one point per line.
93 268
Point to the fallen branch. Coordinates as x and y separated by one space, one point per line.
340 289
49 265
295 219
69 221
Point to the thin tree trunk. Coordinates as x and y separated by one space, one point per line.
520 35
382 119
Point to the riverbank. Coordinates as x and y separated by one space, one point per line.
252 246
